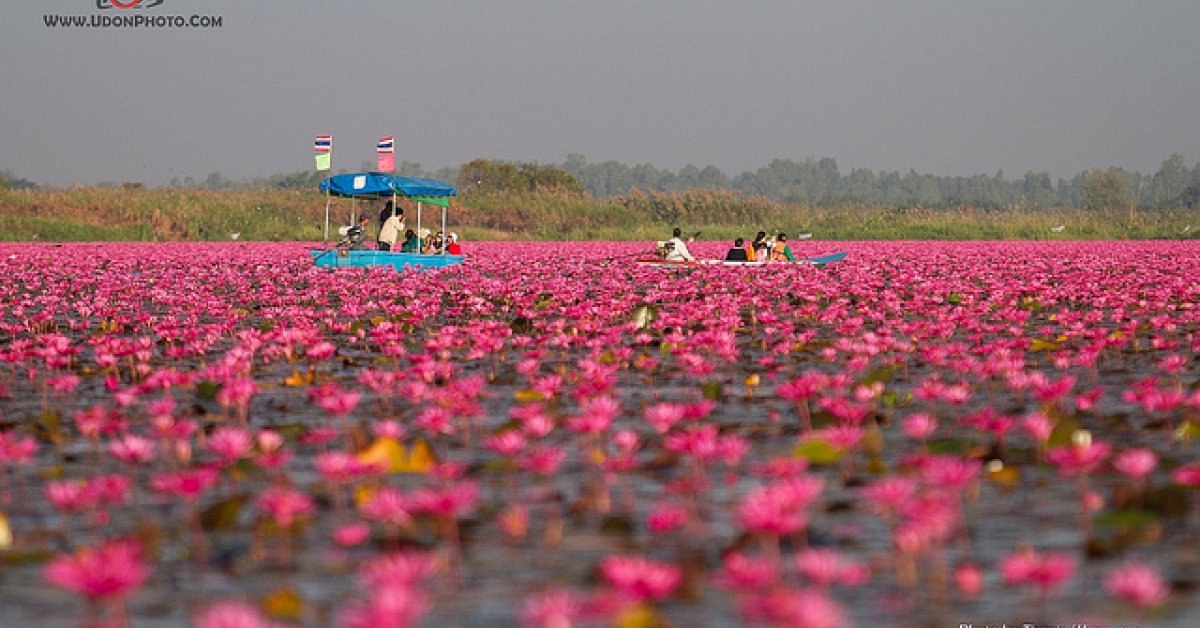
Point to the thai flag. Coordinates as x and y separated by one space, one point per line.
386 145
323 144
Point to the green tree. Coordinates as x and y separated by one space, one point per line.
537 177
1170 180
1190 198
483 176
1108 190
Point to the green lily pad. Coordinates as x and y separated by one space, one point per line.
817 451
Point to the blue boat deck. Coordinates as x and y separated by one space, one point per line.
341 258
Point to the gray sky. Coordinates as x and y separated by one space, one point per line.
948 87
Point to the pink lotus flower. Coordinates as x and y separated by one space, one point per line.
1038 426
232 614
188 484
351 534
640 578
236 391
1046 572
339 467
534 420
109 490
890 494
823 567
70 496
400 569
283 505
320 351
950 472
111 571
663 416
1136 463
395 607
506 443
1083 455
800 608
16 450
666 517
1137 584
804 387
388 429
778 509
595 416
334 400
747 574
542 460
968 578
626 440
840 437
230 444
1187 475
556 608
454 500
133 449
388 506
920 426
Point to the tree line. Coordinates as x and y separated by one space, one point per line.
821 182
810 181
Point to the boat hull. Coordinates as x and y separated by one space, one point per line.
819 260
341 258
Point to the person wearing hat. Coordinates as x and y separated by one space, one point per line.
356 235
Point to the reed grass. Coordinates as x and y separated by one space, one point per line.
134 213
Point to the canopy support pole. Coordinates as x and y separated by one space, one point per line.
418 219
444 234
327 209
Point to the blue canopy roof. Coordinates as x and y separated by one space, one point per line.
384 184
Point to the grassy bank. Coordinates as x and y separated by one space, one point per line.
133 213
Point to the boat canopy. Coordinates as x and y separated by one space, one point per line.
377 184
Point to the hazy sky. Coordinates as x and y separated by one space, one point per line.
948 87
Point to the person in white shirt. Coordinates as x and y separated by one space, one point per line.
391 225
679 251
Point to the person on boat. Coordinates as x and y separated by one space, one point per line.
387 212
390 232
760 249
454 248
782 251
356 235
411 244
434 245
737 253
679 251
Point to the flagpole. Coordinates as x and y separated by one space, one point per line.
327 187
323 146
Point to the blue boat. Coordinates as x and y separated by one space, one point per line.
821 260
376 185
348 258
818 261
